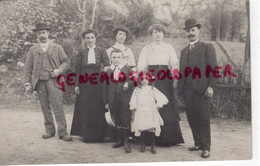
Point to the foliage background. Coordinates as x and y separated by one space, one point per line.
224 23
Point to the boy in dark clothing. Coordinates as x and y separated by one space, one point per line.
116 97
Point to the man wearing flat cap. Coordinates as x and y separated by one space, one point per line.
198 91
45 62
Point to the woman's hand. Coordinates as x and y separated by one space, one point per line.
175 84
106 106
76 89
209 92
106 68
125 86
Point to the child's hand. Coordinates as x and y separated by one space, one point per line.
107 106
125 86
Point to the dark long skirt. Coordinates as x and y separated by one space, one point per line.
170 132
89 113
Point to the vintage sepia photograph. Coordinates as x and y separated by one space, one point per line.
125 81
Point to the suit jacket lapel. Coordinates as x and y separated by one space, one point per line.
96 53
185 56
196 47
85 54
51 46
38 49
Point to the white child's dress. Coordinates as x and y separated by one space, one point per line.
145 101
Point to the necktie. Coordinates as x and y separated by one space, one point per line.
191 46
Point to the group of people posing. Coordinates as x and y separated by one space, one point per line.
147 112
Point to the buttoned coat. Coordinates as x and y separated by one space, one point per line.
58 59
200 56
81 61
109 91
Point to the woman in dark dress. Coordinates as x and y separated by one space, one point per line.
157 56
88 119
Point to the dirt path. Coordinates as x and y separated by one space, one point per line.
21 128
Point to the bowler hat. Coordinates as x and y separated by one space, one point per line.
191 22
41 26
121 28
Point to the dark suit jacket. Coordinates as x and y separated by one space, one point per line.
82 58
201 55
109 91
58 59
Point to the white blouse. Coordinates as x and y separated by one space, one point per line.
127 54
158 54
91 55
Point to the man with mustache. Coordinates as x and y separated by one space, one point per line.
45 62
197 92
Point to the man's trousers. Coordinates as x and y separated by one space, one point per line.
50 96
197 107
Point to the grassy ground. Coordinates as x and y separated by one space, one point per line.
236 51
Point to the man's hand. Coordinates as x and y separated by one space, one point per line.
209 92
125 86
55 73
28 89
77 91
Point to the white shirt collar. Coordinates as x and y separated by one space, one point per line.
91 47
119 46
158 43
45 46
194 42
120 66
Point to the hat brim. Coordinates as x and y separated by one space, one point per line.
195 25
109 119
43 28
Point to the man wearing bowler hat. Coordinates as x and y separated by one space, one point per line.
197 91
45 62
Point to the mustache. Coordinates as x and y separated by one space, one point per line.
42 38
191 36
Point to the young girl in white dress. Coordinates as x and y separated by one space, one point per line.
145 102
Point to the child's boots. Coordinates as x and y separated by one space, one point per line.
126 141
120 139
142 142
153 144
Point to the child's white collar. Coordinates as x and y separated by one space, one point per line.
120 66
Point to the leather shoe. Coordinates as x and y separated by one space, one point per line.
66 138
118 144
195 148
47 135
205 154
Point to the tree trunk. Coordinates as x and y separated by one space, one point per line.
83 22
94 14
247 47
